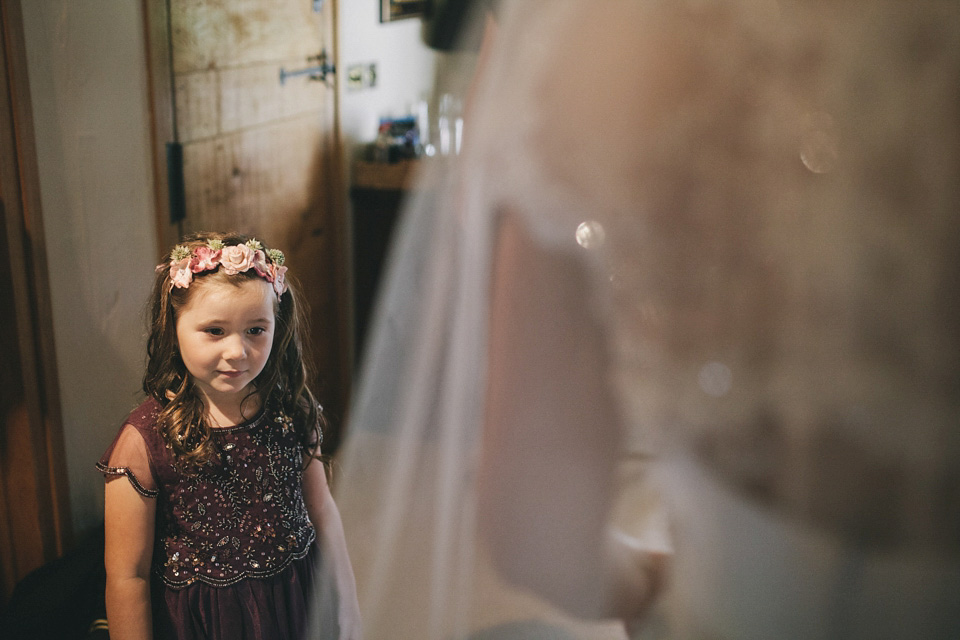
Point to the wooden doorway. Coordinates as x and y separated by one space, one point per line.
259 155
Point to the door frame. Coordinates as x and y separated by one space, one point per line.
156 22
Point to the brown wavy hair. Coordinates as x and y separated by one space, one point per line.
282 385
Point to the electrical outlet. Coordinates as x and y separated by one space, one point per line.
355 77
361 76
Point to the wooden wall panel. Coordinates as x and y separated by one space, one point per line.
251 96
228 33
256 178
197 105
227 100
302 95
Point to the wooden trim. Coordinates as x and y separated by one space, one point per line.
156 24
339 208
33 480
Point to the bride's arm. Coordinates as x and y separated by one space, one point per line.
552 437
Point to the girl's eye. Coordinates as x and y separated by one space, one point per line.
214 331
256 331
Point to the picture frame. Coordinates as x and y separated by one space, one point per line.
392 10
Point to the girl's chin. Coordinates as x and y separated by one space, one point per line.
228 389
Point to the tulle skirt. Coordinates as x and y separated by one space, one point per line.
274 608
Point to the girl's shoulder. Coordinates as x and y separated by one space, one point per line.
144 420
144 415
137 451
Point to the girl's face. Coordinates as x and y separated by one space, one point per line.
225 334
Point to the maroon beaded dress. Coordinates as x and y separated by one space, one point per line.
233 542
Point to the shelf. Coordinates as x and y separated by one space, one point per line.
397 176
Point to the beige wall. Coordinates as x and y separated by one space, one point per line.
89 90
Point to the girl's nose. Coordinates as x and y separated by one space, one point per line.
234 349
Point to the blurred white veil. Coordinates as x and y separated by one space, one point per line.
763 195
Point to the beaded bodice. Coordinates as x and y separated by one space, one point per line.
241 516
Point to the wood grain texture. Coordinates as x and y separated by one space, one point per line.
33 490
197 105
256 179
209 34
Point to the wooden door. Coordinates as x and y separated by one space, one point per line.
259 155
34 505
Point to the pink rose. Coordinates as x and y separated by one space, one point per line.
262 266
235 259
205 259
279 281
180 273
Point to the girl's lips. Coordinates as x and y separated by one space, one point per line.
230 374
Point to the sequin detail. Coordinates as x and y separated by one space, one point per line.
125 471
241 516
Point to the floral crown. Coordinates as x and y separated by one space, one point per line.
233 259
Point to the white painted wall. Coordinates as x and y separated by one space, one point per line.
88 83
405 69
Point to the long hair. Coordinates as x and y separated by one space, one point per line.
284 383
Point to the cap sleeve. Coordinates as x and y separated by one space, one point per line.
127 456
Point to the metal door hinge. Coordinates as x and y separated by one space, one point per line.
176 190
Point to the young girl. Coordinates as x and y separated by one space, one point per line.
225 510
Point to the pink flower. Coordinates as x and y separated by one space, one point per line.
205 259
180 273
235 259
279 281
262 266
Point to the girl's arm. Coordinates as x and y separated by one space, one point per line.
326 519
129 521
